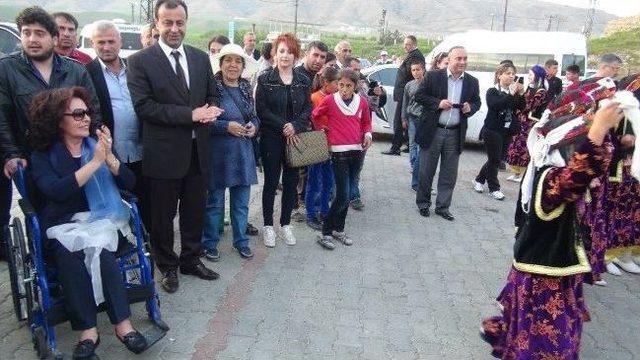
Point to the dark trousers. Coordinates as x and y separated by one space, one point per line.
79 302
165 194
345 166
141 191
272 150
5 205
444 148
493 144
398 131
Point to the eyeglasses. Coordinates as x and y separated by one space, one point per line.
346 50
79 114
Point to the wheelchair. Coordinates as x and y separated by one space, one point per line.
37 296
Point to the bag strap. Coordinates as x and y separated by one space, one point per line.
247 117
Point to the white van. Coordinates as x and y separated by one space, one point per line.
486 49
130 34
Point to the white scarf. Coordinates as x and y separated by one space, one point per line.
350 109
539 145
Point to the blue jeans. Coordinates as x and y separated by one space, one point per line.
215 212
319 187
354 180
345 165
414 151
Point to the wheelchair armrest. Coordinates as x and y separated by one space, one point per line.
26 207
128 196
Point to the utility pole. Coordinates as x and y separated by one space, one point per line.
588 25
253 28
551 17
133 17
493 16
382 24
295 20
504 16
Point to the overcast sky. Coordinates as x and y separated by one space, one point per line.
616 7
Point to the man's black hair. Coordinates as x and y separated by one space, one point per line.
170 4
65 15
37 15
550 62
573 68
318 45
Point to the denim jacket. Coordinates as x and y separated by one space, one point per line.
271 102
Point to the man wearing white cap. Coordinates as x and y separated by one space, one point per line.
384 58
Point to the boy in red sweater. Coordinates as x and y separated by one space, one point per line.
348 128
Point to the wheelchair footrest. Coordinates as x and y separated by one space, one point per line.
153 334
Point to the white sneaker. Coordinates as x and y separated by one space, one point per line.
613 269
636 260
269 236
498 195
600 282
342 237
629 266
287 234
514 178
478 187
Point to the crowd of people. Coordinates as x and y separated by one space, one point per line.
179 127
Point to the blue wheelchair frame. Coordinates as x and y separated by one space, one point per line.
44 313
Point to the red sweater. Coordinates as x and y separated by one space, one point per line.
346 128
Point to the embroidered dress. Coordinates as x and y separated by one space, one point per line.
543 315
517 154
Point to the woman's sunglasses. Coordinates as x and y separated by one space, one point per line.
79 114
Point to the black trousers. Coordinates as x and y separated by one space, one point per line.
399 137
272 150
494 143
141 191
165 195
345 166
79 302
5 206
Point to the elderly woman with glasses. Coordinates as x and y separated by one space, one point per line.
78 177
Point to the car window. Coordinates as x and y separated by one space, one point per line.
8 42
573 59
131 41
387 76
488 62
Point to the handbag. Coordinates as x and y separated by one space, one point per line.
311 149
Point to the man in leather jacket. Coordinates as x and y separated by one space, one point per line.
24 74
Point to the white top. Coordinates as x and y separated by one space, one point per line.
183 58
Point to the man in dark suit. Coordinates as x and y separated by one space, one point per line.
449 97
555 84
402 78
108 72
175 97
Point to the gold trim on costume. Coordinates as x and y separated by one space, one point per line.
582 267
587 196
618 177
538 202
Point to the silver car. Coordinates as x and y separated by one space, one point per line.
385 75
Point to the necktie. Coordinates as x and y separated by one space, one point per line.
179 71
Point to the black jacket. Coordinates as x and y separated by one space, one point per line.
499 105
404 74
271 102
555 87
19 84
432 90
97 77
165 109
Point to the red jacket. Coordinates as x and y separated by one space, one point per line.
346 125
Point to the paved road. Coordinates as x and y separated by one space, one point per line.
409 288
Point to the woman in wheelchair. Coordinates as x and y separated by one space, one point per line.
78 178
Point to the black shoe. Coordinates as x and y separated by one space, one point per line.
251 230
425 212
86 349
502 166
315 224
134 341
245 252
445 214
198 269
392 151
169 281
405 149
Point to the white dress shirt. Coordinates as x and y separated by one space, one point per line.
183 58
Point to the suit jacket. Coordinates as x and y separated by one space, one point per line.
404 74
94 68
431 91
165 110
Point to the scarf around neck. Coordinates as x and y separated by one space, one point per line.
350 109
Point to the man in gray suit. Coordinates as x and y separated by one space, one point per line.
449 97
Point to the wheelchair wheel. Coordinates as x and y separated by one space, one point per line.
40 343
19 271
